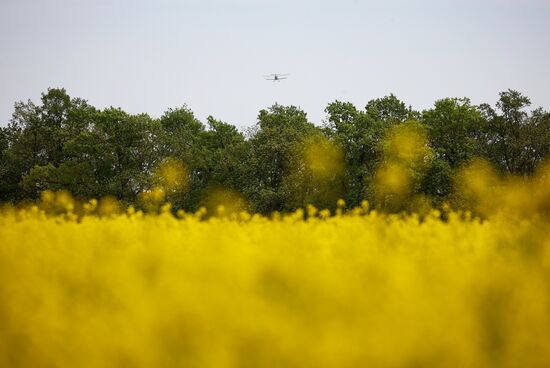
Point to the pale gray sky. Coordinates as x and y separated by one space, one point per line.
147 56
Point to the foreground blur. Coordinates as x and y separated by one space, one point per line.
113 288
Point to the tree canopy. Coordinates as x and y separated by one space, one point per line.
282 163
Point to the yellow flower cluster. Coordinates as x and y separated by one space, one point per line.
109 288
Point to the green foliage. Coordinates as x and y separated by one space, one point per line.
516 141
455 129
360 134
227 153
453 125
390 110
284 162
279 132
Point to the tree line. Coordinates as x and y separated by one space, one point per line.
281 163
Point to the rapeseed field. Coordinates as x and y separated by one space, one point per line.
104 286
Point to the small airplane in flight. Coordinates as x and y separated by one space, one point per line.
276 77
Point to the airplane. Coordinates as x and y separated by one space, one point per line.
276 77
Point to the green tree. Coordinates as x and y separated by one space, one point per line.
115 156
454 128
182 139
128 152
360 135
513 136
228 153
277 135
390 110
4 144
37 134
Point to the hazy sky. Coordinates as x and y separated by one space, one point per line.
147 56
